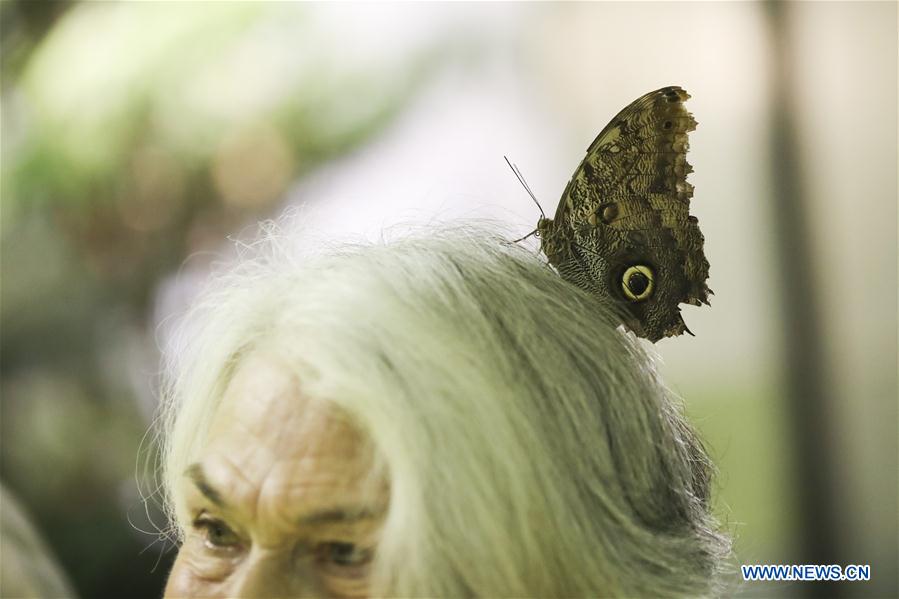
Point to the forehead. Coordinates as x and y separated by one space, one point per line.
271 447
264 401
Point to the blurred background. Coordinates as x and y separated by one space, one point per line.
138 138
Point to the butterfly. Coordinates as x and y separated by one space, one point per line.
623 229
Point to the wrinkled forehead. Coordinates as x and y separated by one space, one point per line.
263 410
264 397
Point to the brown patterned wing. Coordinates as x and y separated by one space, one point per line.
623 228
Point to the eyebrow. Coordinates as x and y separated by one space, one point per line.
196 474
338 515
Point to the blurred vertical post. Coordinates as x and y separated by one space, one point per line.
805 373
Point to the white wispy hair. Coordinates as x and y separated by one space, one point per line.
530 447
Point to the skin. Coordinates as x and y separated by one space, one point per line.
280 502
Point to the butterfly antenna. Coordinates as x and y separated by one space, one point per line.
524 184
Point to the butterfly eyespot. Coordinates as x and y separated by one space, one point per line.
609 213
668 125
637 283
637 238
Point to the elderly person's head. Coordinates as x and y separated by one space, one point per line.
437 416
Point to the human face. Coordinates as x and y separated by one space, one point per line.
281 502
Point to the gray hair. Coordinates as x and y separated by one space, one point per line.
530 447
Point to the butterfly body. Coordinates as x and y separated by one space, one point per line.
623 230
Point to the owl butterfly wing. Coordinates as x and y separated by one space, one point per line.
627 211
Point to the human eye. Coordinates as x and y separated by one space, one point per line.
216 534
339 558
